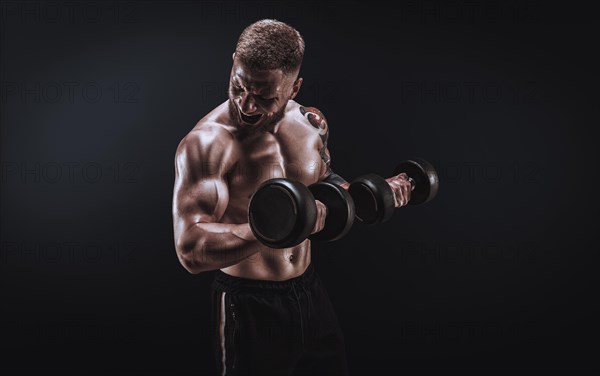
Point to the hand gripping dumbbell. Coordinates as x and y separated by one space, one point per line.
374 199
282 212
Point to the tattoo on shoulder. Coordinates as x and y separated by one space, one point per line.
314 117
317 120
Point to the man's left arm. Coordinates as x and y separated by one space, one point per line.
317 120
399 183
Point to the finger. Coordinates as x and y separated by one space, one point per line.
321 214
315 228
403 192
397 195
407 192
401 197
318 221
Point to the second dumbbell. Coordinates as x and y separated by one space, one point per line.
374 198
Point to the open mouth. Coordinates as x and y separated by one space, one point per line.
250 119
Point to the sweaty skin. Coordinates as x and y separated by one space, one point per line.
259 133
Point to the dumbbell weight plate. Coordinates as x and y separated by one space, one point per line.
282 213
425 178
373 198
340 210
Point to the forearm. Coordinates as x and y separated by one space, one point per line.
338 180
210 246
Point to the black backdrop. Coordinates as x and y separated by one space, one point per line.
497 275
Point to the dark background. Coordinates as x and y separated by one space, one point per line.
497 275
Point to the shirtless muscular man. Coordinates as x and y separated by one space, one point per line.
271 313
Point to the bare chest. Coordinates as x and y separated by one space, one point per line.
271 157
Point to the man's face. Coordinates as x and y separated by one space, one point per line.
258 99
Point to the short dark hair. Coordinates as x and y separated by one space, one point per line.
270 44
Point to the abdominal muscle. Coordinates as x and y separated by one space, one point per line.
273 264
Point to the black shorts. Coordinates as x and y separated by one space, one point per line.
276 328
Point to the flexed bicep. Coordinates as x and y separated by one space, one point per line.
200 194
202 200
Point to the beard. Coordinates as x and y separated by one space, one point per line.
264 124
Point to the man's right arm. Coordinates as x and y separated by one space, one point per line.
200 197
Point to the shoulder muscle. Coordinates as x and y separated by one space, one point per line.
202 159
209 146
316 119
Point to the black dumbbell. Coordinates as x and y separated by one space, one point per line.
374 198
283 212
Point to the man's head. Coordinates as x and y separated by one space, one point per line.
264 76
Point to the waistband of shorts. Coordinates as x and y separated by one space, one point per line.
228 282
